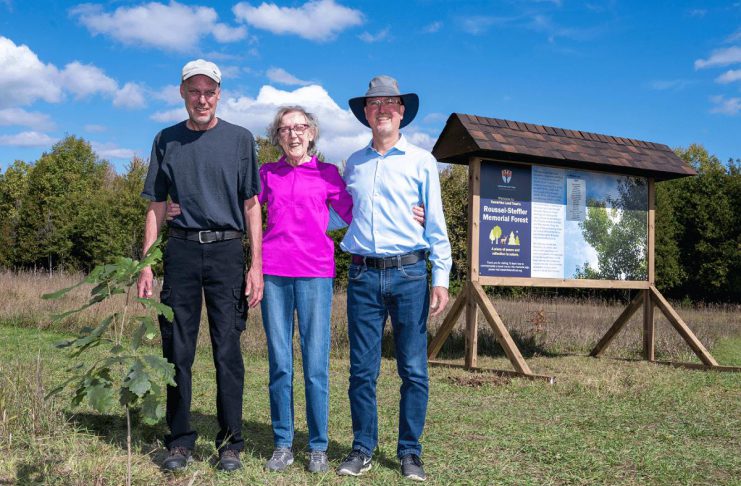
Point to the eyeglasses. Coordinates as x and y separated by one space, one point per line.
386 102
298 129
196 95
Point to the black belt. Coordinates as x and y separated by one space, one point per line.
390 261
205 236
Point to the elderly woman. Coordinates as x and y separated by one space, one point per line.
298 268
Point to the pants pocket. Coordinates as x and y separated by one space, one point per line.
240 309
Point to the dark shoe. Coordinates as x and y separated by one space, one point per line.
281 459
355 464
411 468
177 459
229 460
318 462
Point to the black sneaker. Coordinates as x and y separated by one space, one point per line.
355 464
411 468
177 459
229 460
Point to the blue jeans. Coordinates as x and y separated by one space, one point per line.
372 296
311 298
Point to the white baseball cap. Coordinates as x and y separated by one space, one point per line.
200 66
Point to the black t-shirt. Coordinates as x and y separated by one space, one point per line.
209 173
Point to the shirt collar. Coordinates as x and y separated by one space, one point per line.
312 163
400 146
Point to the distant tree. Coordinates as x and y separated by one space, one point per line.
454 190
13 187
61 187
708 227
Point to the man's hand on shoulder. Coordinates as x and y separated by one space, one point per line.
144 283
438 300
253 286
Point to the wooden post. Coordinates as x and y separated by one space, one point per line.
649 325
474 196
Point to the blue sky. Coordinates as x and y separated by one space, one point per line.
667 72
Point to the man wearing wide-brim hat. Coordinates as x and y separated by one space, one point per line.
388 274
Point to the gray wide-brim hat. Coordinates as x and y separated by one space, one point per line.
385 86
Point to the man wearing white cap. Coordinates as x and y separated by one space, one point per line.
388 276
209 167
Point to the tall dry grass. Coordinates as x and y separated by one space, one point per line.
540 326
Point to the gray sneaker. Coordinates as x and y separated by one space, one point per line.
355 464
411 468
318 462
281 459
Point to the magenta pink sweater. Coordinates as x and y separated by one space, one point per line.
295 243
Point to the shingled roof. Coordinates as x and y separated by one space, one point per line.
470 135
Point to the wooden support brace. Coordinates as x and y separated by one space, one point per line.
682 328
618 325
448 324
505 340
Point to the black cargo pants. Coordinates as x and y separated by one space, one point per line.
215 270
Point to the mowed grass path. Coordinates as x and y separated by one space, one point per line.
604 422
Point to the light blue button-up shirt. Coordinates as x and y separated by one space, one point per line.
384 188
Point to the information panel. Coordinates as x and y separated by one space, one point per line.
547 222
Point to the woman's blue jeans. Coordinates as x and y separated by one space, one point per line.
311 299
373 295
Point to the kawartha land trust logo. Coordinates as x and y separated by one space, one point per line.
506 175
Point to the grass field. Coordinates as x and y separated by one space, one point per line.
606 421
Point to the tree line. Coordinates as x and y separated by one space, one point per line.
70 210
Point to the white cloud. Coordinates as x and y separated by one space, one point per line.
24 75
111 151
370 38
670 84
85 80
93 128
433 27
173 26
720 57
316 20
421 139
223 33
130 96
478 24
281 76
170 94
23 118
434 118
729 76
170 116
27 139
340 134
725 106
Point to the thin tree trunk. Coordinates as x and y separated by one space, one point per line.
128 447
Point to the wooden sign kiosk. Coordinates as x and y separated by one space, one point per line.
508 145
